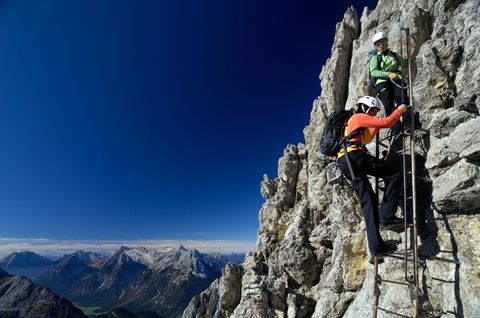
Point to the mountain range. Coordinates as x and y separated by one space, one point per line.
134 278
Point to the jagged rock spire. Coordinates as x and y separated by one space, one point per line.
311 258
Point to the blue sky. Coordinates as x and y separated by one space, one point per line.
130 120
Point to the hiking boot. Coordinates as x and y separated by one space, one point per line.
386 248
394 222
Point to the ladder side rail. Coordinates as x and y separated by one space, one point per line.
414 194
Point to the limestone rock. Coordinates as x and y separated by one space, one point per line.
311 258
457 190
461 143
334 78
221 298
230 291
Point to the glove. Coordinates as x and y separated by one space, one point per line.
403 108
392 76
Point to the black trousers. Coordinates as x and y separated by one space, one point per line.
391 95
364 164
423 191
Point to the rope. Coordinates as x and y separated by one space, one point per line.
397 85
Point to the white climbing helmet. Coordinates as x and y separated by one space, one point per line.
379 35
368 102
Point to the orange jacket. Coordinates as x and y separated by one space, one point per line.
371 124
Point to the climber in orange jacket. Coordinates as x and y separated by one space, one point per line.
366 124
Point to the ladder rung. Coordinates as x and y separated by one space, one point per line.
443 259
402 253
443 280
381 280
392 312
402 257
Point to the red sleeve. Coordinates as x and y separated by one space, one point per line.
368 121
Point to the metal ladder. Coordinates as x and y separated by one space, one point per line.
409 255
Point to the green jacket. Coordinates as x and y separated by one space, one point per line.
388 65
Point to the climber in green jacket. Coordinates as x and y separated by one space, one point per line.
385 67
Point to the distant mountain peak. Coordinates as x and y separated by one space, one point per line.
180 247
88 257
26 253
123 248
24 257
26 263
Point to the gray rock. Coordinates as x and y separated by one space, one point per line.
444 122
311 259
230 291
461 143
221 298
457 190
296 256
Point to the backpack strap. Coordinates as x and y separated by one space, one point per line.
379 60
347 157
345 144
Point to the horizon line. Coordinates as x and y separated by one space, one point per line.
56 247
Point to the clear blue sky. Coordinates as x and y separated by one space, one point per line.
152 119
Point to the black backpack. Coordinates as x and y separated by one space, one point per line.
332 136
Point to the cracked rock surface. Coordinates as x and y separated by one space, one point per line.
311 258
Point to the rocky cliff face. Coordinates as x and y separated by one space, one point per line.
311 258
19 297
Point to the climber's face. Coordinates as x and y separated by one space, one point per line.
381 45
373 111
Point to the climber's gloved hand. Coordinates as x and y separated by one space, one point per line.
392 76
403 108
